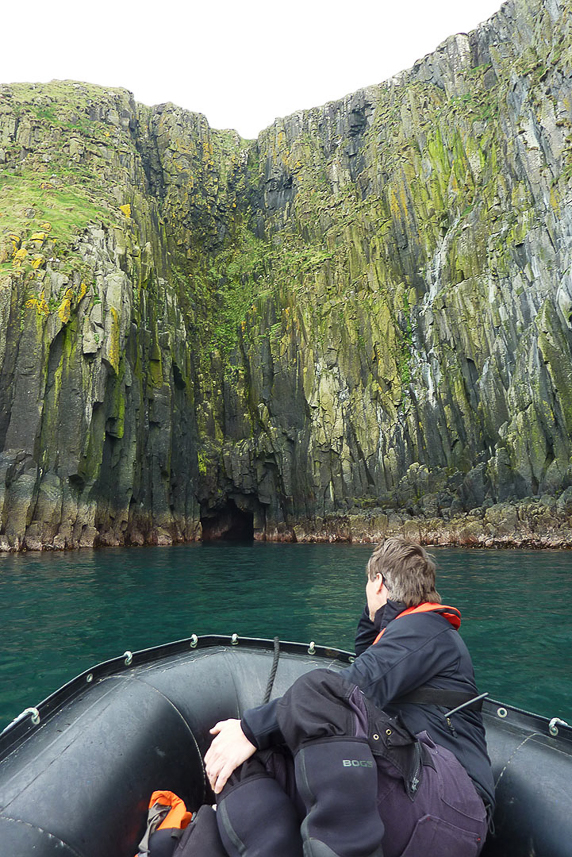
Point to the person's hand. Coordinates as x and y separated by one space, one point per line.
229 749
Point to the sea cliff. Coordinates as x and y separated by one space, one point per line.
359 323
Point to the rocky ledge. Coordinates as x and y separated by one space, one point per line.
544 522
535 523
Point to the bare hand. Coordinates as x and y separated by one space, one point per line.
229 749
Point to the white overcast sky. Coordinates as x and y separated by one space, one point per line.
241 63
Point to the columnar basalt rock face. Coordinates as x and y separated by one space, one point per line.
359 323
96 414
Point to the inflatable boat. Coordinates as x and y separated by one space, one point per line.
76 773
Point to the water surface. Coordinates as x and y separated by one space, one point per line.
61 613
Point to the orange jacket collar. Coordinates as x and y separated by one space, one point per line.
449 613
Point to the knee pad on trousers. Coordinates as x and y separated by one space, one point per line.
337 781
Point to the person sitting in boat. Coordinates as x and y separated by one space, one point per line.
386 758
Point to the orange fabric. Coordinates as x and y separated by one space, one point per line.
178 817
450 613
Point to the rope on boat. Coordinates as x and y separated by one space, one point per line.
272 675
35 714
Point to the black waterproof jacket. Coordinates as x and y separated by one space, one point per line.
421 649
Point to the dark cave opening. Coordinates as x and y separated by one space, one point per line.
228 524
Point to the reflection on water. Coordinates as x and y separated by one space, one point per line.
61 613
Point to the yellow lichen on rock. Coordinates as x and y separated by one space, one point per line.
39 304
126 209
64 311
20 255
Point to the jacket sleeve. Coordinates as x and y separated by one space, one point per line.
409 654
366 632
261 726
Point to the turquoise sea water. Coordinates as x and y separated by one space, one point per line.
61 613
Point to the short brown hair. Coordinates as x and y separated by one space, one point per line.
408 571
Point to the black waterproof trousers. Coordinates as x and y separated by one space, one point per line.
350 782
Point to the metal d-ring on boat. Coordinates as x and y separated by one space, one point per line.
554 724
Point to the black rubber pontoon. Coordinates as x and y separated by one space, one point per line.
77 783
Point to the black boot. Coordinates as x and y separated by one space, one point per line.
201 838
257 819
337 780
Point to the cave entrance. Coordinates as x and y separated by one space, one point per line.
228 524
